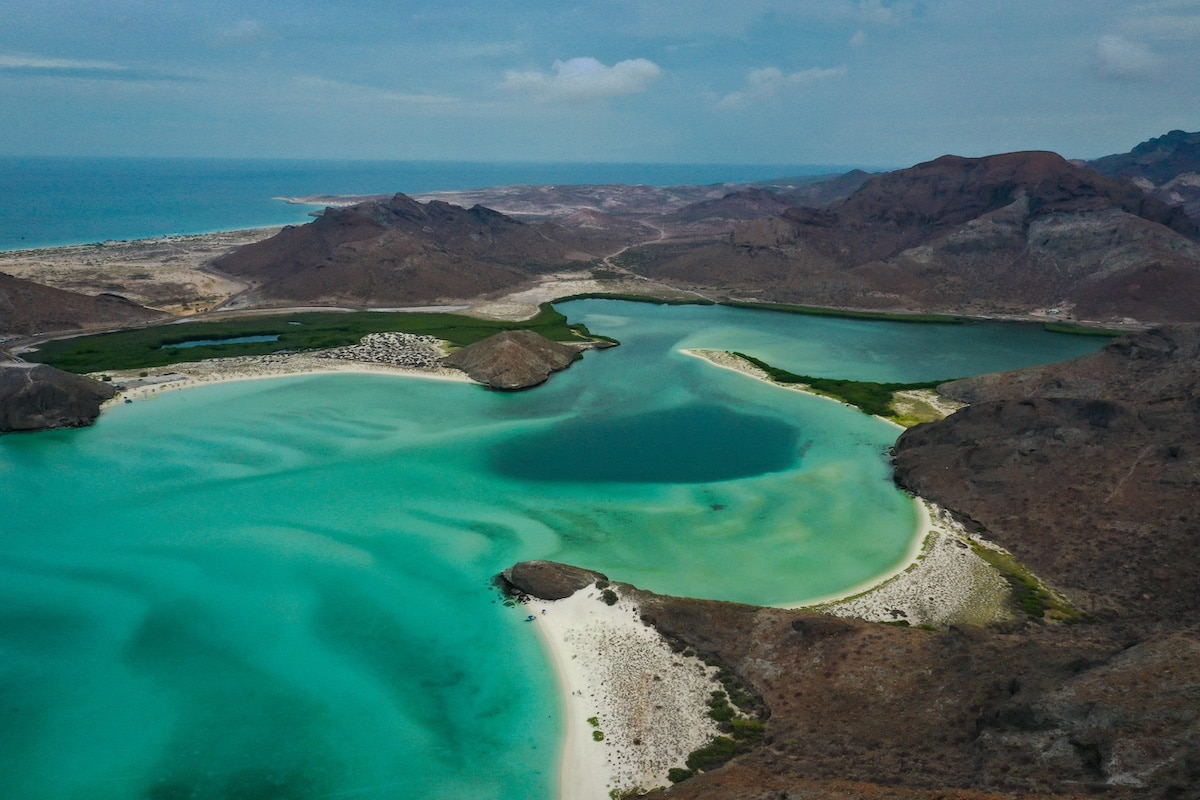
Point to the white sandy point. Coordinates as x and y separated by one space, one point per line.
651 704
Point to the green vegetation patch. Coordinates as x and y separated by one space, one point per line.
1080 330
870 397
321 330
1035 598
817 311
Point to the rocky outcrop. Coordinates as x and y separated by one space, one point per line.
1003 234
37 397
548 580
513 359
28 308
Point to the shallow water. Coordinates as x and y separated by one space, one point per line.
280 589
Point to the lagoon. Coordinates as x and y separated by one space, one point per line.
282 588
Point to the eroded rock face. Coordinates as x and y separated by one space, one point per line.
36 397
549 580
513 359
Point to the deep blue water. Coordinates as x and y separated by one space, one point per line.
49 202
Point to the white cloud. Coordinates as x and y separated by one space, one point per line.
765 85
1119 58
858 39
40 67
582 79
38 64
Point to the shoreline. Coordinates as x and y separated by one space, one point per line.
940 581
619 680
395 355
728 361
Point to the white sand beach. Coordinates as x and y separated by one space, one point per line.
396 354
942 582
618 677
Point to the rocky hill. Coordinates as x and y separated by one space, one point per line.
28 308
1002 234
1089 472
36 397
1166 167
401 252
513 360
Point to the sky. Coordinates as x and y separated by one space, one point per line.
877 83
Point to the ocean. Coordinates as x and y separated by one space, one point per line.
49 202
283 588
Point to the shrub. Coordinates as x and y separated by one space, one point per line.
678 774
609 597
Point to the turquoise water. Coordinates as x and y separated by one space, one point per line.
229 340
280 589
59 201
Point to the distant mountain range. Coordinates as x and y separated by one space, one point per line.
1167 167
1114 239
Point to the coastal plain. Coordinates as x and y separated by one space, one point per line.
1034 639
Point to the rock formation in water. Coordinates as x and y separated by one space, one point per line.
549 580
1003 234
37 397
28 308
401 252
513 359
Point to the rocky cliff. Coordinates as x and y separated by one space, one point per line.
36 397
513 359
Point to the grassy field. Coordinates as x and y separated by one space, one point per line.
872 398
151 347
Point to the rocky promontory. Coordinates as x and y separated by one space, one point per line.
549 580
513 359
37 397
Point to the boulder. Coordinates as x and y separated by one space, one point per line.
36 397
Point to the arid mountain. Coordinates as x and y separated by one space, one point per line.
1089 472
28 308
1167 168
400 252
1003 234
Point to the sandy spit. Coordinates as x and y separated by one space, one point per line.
618 677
